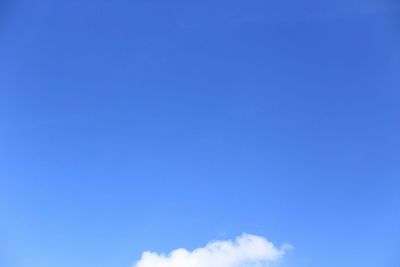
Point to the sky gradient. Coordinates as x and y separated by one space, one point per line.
132 126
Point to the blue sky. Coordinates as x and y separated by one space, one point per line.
129 126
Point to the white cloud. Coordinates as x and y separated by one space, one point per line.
245 251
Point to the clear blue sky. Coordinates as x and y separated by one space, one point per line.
151 125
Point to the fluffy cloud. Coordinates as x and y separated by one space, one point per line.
245 251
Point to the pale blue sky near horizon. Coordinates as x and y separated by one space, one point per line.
129 126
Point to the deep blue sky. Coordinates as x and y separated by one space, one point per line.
136 125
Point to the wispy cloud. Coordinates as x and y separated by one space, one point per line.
245 251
